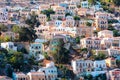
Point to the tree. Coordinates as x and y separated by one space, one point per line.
32 21
88 77
95 32
58 52
3 27
16 59
76 18
99 56
46 56
7 39
110 27
77 39
15 28
26 34
9 70
66 72
116 2
67 14
88 24
92 2
118 63
116 33
48 12
112 21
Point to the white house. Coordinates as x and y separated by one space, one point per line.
36 50
84 4
113 52
50 70
58 23
71 9
3 15
100 65
105 33
80 66
9 46
70 22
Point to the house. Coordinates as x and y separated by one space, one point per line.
113 52
48 32
69 22
44 7
42 18
3 15
114 74
14 15
97 6
82 12
10 34
84 31
50 70
20 76
101 23
36 76
91 43
40 40
72 9
35 10
58 23
36 50
9 46
5 78
57 16
100 65
111 62
116 42
84 4
64 4
105 34
80 66
103 15
106 42
82 23
94 68
58 9
42 31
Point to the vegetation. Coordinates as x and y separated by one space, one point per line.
65 72
26 34
92 2
88 77
101 77
111 28
32 21
116 2
99 56
112 21
76 18
118 63
89 24
95 32
67 14
15 28
15 60
59 53
46 56
77 39
48 12
3 28
116 33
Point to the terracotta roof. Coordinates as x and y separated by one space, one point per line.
46 61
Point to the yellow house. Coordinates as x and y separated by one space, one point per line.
111 62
